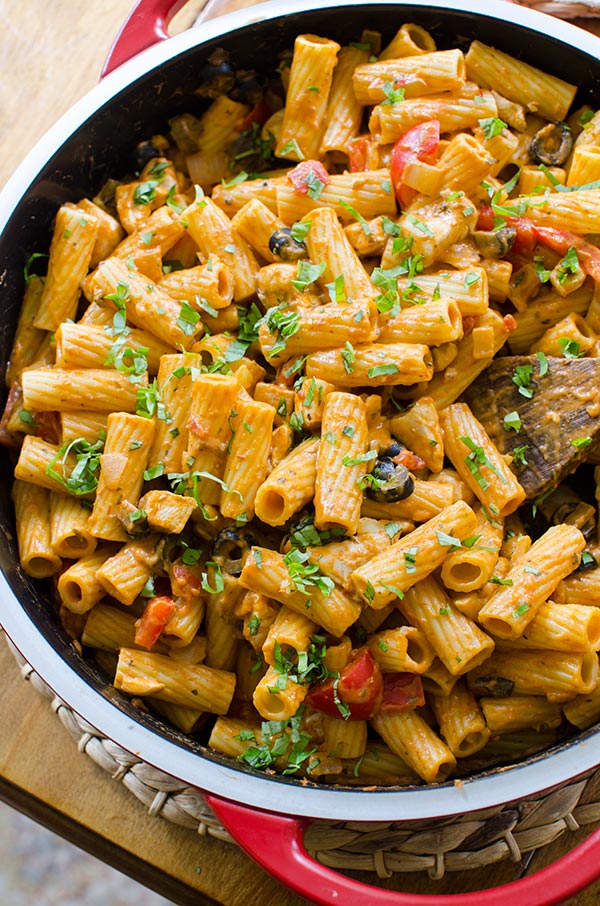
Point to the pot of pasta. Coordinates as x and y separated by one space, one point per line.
302 418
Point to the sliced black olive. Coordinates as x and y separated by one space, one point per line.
249 88
394 449
495 244
552 144
392 482
231 547
283 245
144 152
216 76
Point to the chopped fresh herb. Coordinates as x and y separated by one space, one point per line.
188 319
567 266
541 270
150 403
476 458
291 147
154 472
249 320
512 421
379 370
145 192
381 644
419 225
136 444
386 186
471 279
148 591
304 534
83 478
522 608
348 431
389 227
531 570
470 542
447 540
282 323
394 589
392 528
26 416
444 611
570 348
306 274
392 95
330 437
300 230
27 270
584 118
369 592
362 457
359 217
410 559
496 580
176 206
543 363
242 176
581 442
522 379
348 357
337 290
518 455
492 126
305 576
217 578
253 624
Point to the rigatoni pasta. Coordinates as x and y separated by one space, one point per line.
256 455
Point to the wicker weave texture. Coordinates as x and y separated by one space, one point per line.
459 843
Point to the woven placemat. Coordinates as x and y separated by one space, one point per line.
458 843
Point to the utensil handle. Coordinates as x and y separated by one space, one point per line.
145 25
276 842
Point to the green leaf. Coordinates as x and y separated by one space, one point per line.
512 421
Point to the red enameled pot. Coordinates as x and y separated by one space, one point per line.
141 91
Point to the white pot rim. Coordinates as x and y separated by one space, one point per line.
276 794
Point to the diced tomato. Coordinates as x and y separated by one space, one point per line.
153 621
402 692
469 322
359 688
300 176
419 143
409 460
525 240
260 113
357 153
510 322
562 240
185 583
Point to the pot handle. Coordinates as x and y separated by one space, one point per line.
275 841
145 25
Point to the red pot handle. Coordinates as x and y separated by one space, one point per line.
276 842
145 25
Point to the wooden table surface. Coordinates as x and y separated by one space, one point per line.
49 56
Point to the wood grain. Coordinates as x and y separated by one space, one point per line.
49 57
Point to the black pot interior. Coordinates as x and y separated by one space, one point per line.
102 148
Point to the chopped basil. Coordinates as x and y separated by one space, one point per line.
492 126
380 370
512 421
